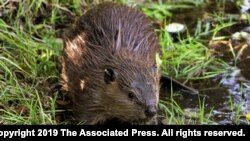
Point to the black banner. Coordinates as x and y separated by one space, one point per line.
174 131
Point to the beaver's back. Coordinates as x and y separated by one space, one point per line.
116 26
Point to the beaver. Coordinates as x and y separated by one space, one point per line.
108 65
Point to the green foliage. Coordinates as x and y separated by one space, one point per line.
189 58
30 46
28 52
161 11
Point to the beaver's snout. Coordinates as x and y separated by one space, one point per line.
150 111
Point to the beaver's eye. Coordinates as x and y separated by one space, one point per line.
131 95
109 76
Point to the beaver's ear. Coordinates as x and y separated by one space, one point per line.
109 76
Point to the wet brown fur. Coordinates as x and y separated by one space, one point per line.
111 36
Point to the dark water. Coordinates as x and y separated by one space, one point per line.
226 93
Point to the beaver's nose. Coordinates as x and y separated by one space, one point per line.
151 111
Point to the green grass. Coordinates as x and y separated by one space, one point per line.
189 58
28 55
30 46
174 114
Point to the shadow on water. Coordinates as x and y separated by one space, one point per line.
227 96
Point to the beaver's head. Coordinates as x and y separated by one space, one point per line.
131 91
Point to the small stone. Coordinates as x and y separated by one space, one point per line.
243 17
175 28
236 36
240 36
